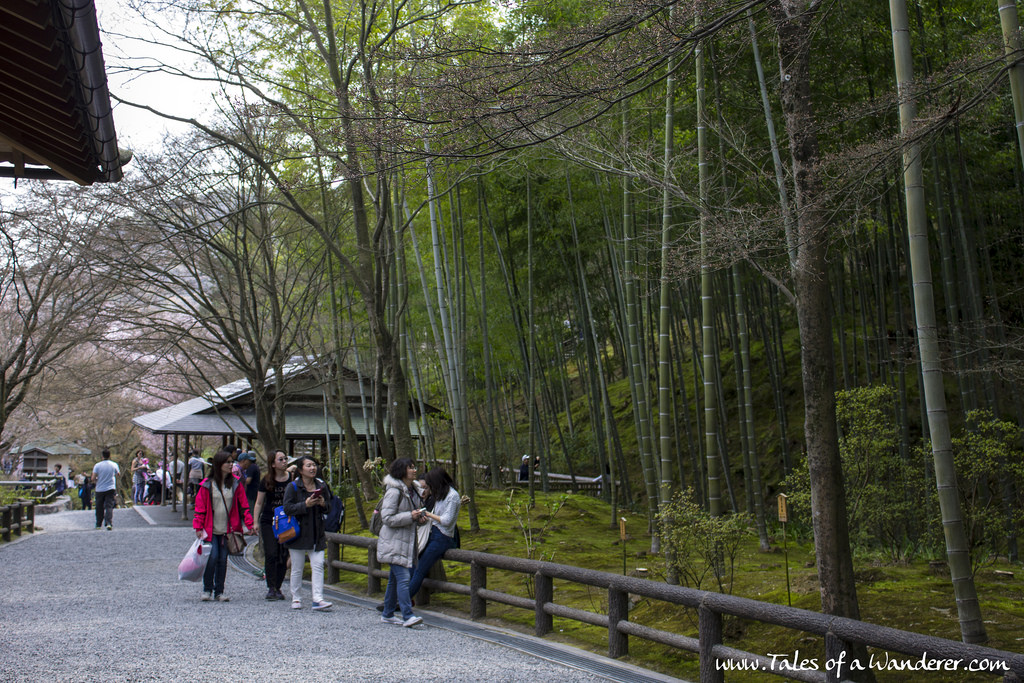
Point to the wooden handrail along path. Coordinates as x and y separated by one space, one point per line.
46 494
927 653
17 517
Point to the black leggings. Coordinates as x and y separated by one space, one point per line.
275 556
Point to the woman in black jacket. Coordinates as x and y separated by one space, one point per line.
306 499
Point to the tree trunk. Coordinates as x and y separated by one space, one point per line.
793 21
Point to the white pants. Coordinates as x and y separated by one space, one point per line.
316 564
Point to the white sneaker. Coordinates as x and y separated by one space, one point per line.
412 621
207 596
296 604
396 620
322 605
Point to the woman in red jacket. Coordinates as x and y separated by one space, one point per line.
221 508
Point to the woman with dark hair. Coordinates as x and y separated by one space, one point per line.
270 495
400 512
443 518
306 499
221 508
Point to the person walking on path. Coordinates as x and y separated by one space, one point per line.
306 500
221 508
104 476
400 512
85 491
443 518
195 473
62 481
139 468
269 496
250 474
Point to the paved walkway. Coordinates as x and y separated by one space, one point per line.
87 605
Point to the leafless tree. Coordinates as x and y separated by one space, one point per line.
54 296
224 276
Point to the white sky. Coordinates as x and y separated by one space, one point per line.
138 129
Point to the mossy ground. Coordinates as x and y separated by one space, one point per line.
915 597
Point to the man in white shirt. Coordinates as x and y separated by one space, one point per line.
104 475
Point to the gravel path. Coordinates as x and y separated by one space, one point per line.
87 605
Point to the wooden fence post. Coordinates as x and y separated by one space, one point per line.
709 629
6 522
618 610
372 580
834 647
477 581
19 513
544 593
332 557
31 516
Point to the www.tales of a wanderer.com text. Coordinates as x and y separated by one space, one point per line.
782 662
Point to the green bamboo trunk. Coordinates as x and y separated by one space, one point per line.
1012 46
972 628
709 350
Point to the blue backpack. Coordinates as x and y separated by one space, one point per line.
286 528
335 513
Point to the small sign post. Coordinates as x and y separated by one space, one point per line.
622 542
783 518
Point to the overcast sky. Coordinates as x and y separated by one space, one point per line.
127 44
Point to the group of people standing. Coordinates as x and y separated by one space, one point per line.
408 505
419 525
149 486
222 508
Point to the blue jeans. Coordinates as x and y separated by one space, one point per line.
217 566
437 545
398 591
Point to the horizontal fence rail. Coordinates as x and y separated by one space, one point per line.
715 657
17 517
43 489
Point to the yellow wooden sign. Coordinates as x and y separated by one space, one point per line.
622 528
783 510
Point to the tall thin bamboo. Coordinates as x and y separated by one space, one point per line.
709 350
531 364
1010 23
972 627
665 417
492 452
773 140
637 372
747 404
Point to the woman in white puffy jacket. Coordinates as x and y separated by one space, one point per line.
401 513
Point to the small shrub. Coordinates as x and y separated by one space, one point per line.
699 546
990 479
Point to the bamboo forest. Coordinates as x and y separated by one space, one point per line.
703 252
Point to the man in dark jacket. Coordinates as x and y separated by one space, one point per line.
250 474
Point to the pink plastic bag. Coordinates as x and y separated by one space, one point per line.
193 564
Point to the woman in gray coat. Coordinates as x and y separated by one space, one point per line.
401 513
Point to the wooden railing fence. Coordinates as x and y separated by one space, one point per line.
43 490
715 657
17 517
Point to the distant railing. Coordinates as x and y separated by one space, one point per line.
43 490
590 486
17 517
715 657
